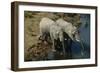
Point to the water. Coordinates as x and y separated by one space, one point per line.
85 38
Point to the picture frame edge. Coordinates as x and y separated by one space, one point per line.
14 38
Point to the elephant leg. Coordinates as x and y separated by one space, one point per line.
64 52
53 44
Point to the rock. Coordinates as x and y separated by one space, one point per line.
39 51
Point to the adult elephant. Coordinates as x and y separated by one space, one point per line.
70 33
